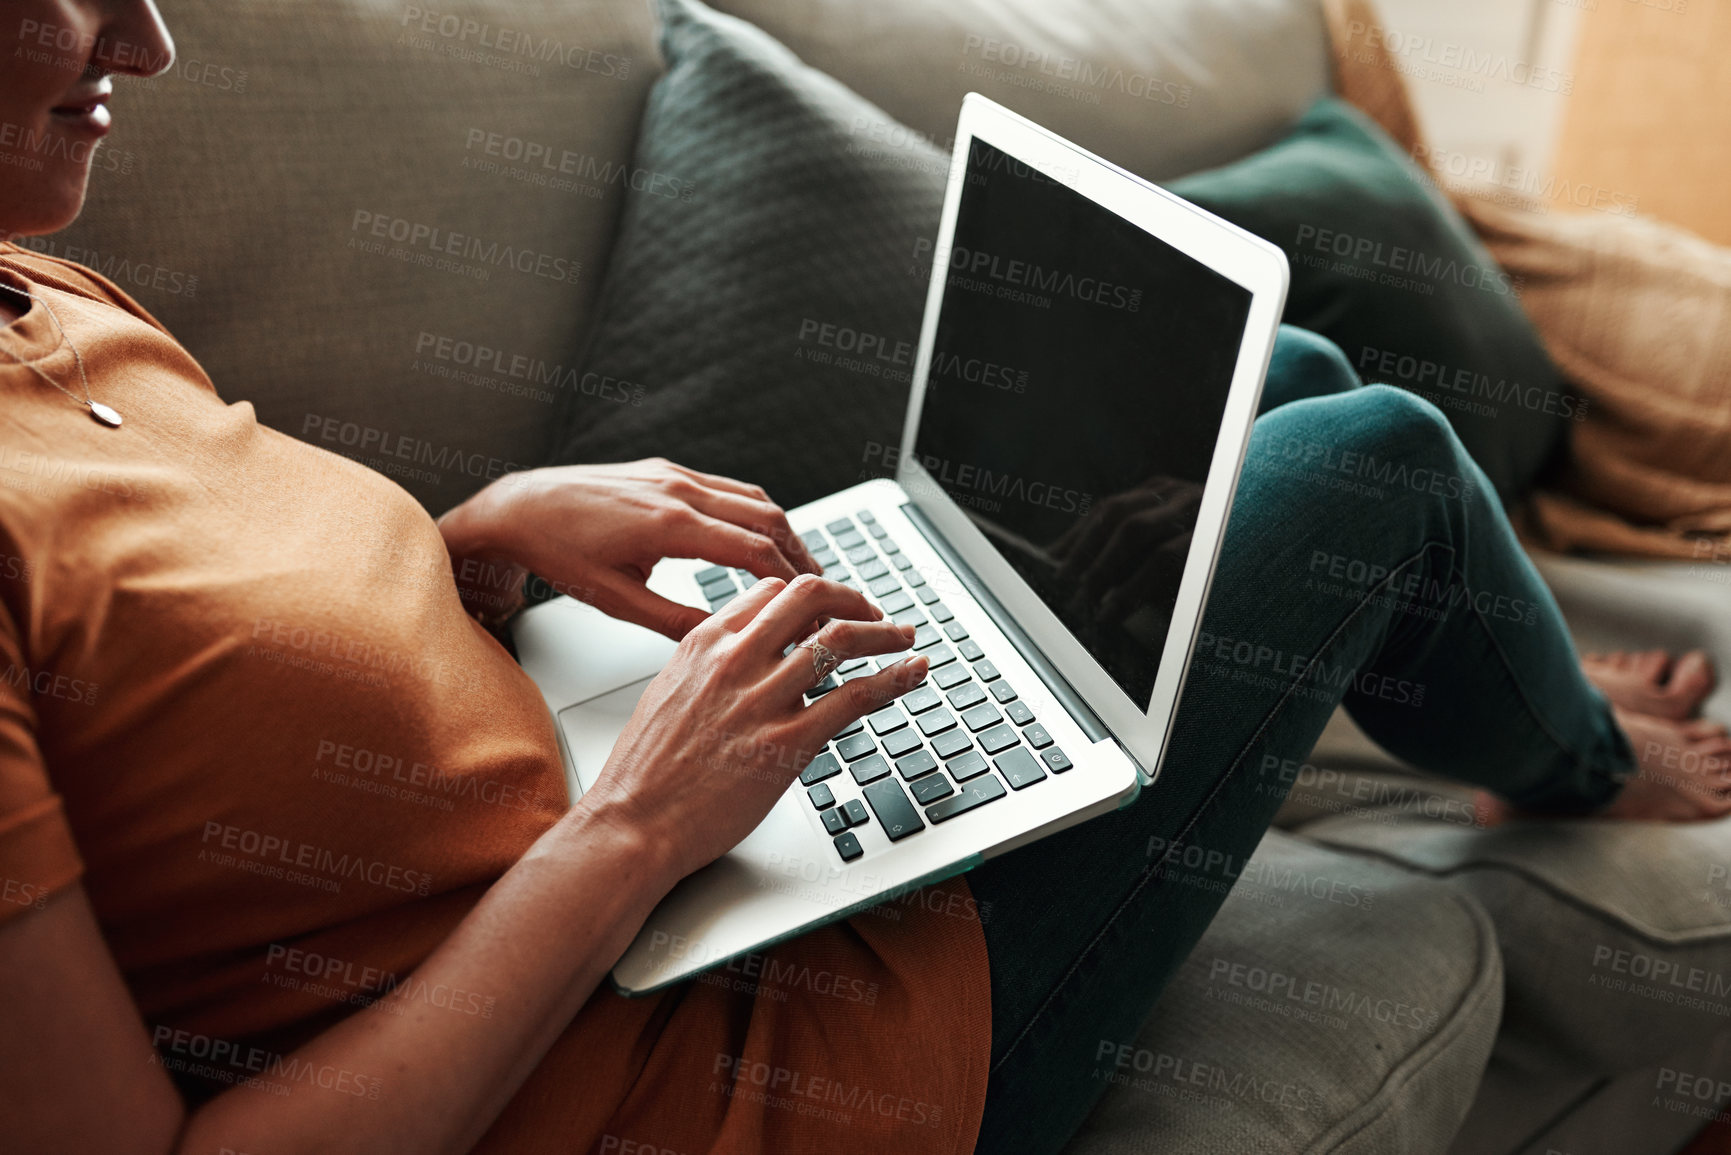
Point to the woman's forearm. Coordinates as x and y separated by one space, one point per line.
535 946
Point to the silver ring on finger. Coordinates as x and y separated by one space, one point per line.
823 659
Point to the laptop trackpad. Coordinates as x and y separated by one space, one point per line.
592 727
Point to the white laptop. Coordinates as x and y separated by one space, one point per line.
1088 370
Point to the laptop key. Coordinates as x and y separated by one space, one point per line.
971 694
936 722
855 747
813 538
910 617
847 845
824 557
896 602
852 727
925 637
956 632
997 738
850 539
876 530
839 525
914 578
926 594
915 764
970 650
859 555
836 572
872 570
895 813
822 767
950 676
901 742
939 656
855 813
884 585
869 769
851 665
705 576
979 717
1019 713
829 683
821 796
986 671
1002 691
920 700
865 517
977 793
941 613
1055 759
931 788
1019 769
834 820
900 561
887 719
888 545
951 742
969 765
1037 736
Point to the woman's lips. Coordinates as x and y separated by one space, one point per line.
90 116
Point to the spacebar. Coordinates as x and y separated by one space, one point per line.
976 793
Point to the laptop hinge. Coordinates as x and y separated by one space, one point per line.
1065 693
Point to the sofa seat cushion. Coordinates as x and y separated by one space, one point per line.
1616 936
1336 1004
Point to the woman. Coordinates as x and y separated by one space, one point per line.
285 855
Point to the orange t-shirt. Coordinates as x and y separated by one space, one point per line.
239 696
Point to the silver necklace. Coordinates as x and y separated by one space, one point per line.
104 414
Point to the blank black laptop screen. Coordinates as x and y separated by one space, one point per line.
1078 377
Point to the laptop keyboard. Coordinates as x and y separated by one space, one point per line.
944 749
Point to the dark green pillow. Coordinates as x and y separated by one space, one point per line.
1385 267
767 323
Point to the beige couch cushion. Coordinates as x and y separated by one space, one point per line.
383 223
1162 87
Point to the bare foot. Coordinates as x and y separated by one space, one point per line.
1683 775
1650 682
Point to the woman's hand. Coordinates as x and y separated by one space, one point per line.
595 532
723 729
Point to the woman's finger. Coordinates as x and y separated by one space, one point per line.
723 543
845 640
851 701
738 613
764 517
717 481
806 602
621 597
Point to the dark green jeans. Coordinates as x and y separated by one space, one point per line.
1368 563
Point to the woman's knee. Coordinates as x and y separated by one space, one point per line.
1305 364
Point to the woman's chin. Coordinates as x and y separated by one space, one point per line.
45 205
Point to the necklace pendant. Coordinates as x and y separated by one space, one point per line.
104 414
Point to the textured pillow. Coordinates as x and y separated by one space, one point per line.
383 224
1162 87
1387 269
768 325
